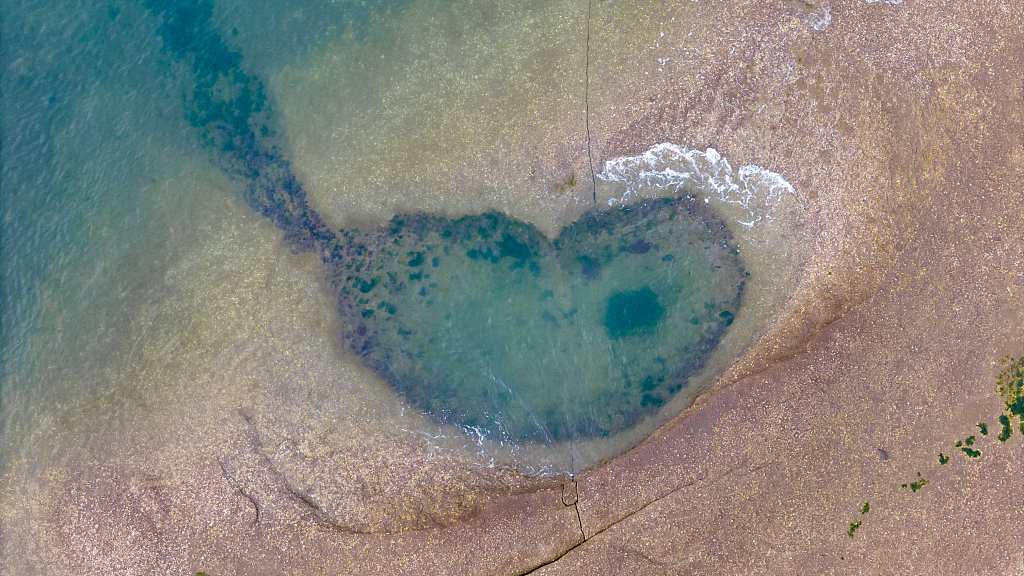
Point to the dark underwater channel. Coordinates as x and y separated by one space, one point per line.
482 321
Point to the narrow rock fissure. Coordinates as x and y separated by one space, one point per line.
654 501
576 507
234 484
575 491
274 481
625 517
574 502
553 560
586 105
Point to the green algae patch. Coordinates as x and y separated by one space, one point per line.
1007 430
917 485
523 338
965 446
1010 385
632 312
866 508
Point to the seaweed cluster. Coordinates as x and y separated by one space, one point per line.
1009 385
229 108
855 525
916 485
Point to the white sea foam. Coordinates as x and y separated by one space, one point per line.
756 191
820 20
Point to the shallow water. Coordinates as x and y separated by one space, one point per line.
131 261
485 323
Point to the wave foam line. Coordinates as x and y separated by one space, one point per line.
756 190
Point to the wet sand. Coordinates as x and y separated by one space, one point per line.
900 127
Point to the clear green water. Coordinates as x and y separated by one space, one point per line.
485 323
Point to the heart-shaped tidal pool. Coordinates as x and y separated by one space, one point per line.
482 321
485 323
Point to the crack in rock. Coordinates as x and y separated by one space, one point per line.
249 471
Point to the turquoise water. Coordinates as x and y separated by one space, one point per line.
131 183
487 324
